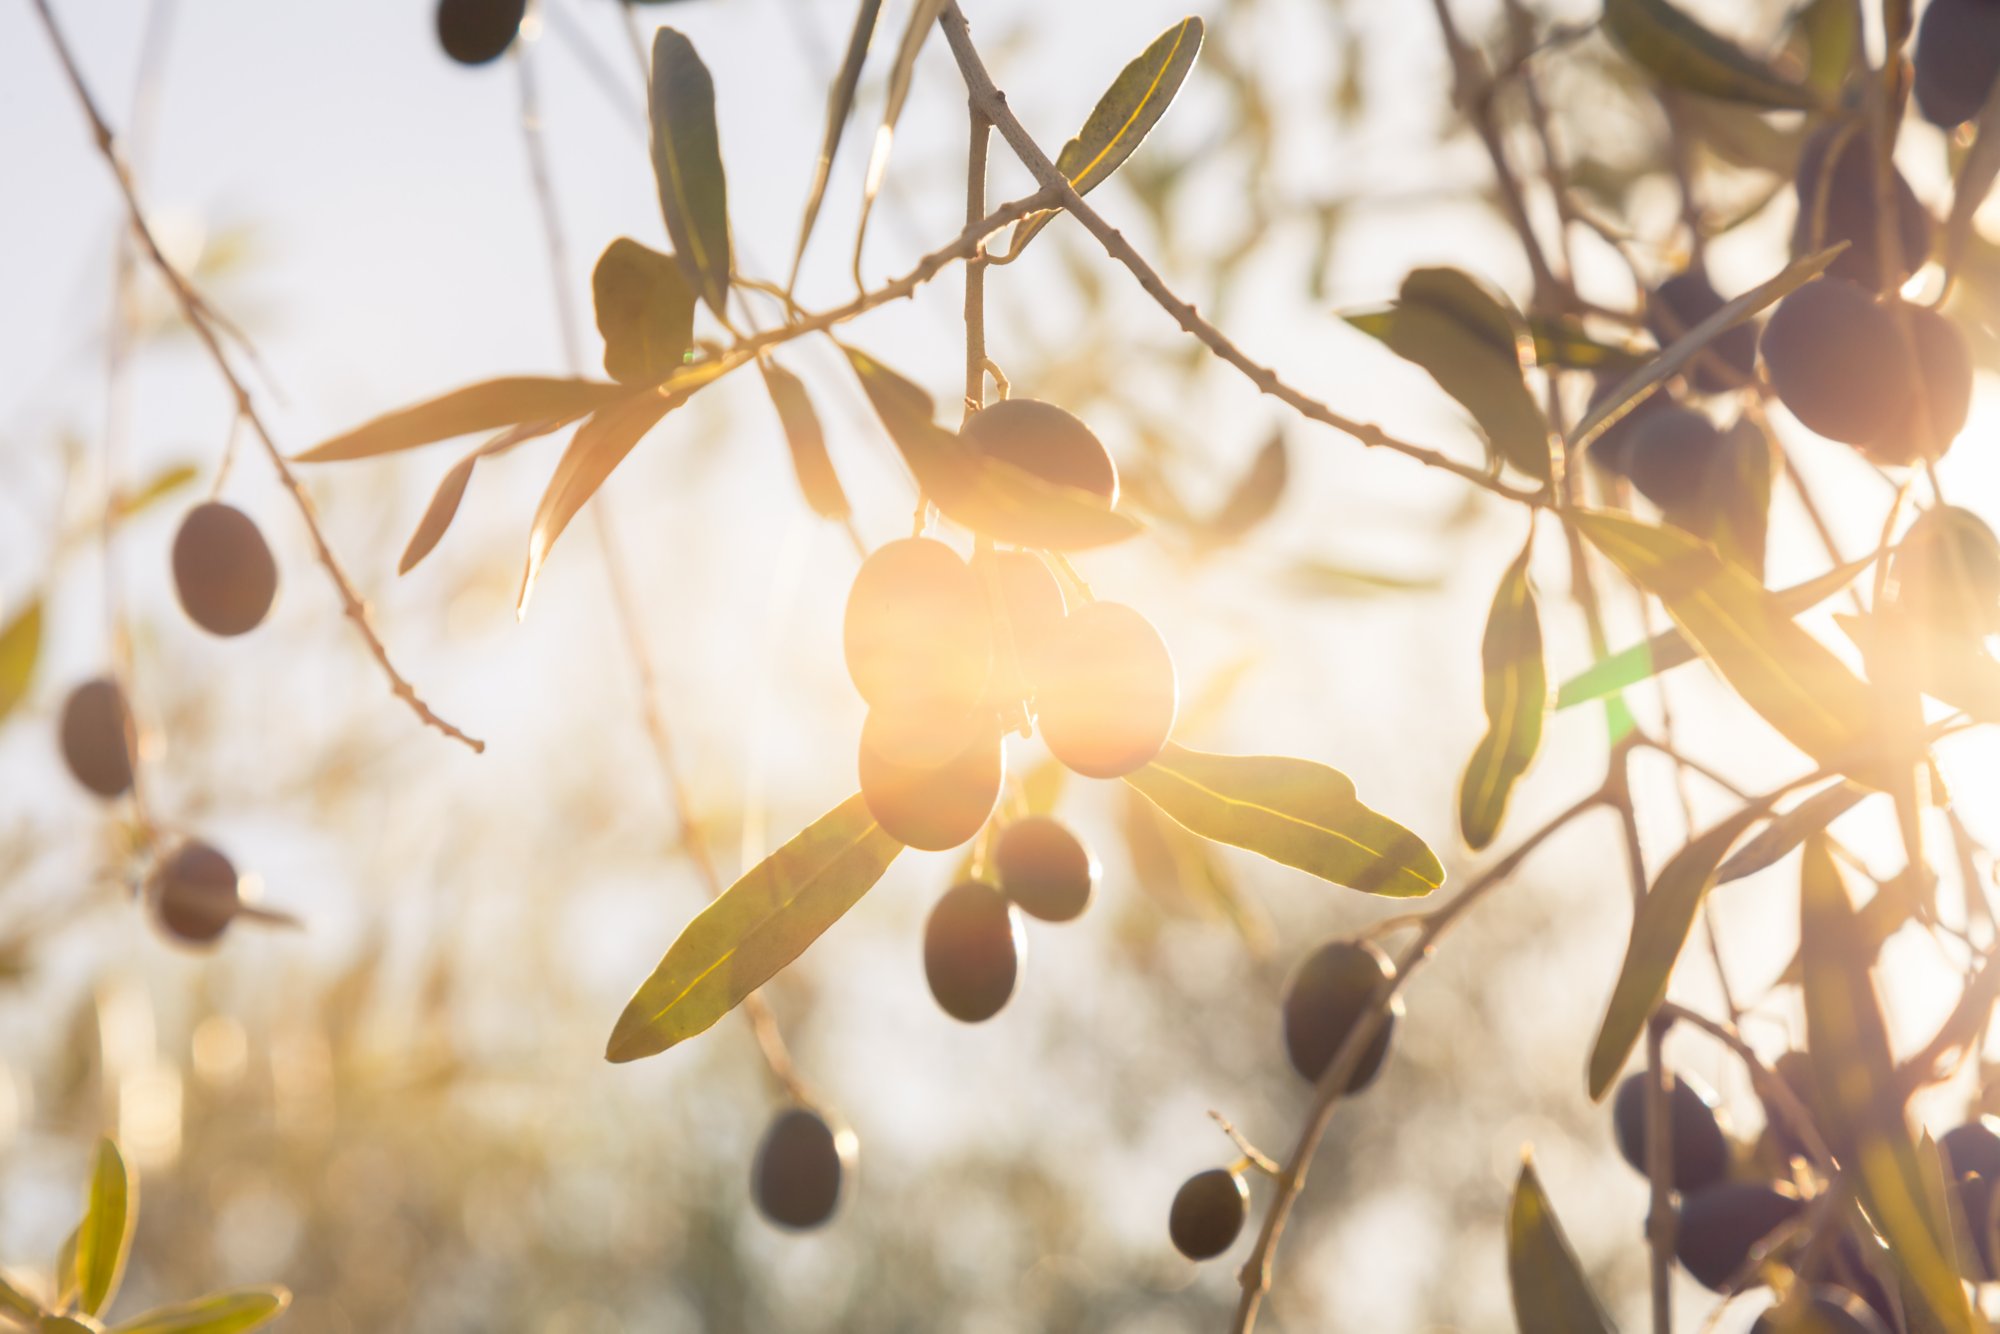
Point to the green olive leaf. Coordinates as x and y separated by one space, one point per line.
234 1312
1183 872
105 1236
756 927
1786 675
18 1304
20 651
645 310
1660 927
1787 831
839 107
687 165
1859 1096
1297 812
451 490
806 441
1682 54
154 489
1516 690
1547 1282
1563 341
1831 30
1476 347
490 406
923 16
1122 118
1006 503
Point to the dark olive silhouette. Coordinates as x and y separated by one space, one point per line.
1826 1310
1946 570
1834 358
1957 59
1972 1149
193 893
1672 458
1043 439
797 1176
474 32
932 807
1700 1149
1045 868
972 951
223 570
1852 214
97 737
1208 1213
1939 362
1685 300
1107 699
917 630
1972 1209
1721 1224
1031 608
1612 450
1324 999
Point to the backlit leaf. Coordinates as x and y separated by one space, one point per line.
105 1235
1516 694
20 650
156 488
1297 812
1182 871
687 165
645 310
806 441
1683 54
17 1303
598 446
1562 341
1122 118
1549 1289
233 1312
489 406
1832 31
923 15
984 494
839 106
1254 497
1787 831
451 490
1786 675
1660 928
757 926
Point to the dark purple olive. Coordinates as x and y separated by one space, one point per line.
474 32
972 951
1700 1149
96 735
1208 1213
223 571
800 1165
1325 999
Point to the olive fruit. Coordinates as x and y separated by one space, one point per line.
797 1175
1825 1310
1851 211
1612 449
931 807
1834 357
1030 608
1326 997
97 737
916 628
1045 868
1685 300
193 893
1700 1149
1972 1149
1208 1213
972 951
1721 1224
1937 363
1042 439
1671 458
1108 696
223 571
1946 571
1972 1206
1957 60
474 32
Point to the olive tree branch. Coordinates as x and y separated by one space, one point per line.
195 310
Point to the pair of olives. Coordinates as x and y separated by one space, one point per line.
974 940
801 1165
223 571
476 32
1699 1146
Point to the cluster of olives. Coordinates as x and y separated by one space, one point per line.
1326 997
476 32
974 940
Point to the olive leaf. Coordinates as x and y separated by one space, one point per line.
488 406
20 651
1475 346
451 489
105 1236
1297 812
987 495
1859 1097
1254 497
1660 927
1544 1276
154 489
1561 340
1670 648
645 310
1122 118
1785 832
1183 871
598 446
687 165
1786 675
923 15
756 927
1516 689
1682 54
233 1312
17 1304
806 441
839 106
1831 30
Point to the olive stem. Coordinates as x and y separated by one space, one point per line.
1252 1155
